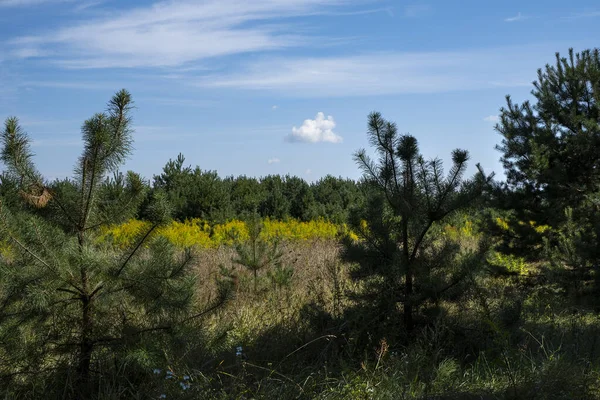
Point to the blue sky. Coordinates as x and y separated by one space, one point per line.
258 87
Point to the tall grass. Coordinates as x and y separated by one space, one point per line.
505 339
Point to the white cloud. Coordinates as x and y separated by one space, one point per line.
275 107
518 17
388 72
26 3
492 118
176 32
273 160
71 85
308 171
315 130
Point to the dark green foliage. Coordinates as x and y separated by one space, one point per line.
551 155
302 201
194 193
335 197
67 301
202 194
275 204
257 253
247 194
399 259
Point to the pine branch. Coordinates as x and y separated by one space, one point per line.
137 247
62 207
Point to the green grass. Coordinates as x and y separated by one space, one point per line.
505 339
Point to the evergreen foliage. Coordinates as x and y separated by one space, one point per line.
67 300
195 193
256 253
551 155
399 259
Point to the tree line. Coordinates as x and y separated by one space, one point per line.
197 193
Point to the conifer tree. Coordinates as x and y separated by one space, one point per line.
551 154
68 299
400 259
257 253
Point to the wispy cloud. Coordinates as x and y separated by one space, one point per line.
178 102
492 118
387 73
84 5
315 130
516 18
71 85
173 33
273 161
27 3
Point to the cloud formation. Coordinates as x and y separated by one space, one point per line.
315 130
386 72
25 3
492 118
173 33
518 17
273 160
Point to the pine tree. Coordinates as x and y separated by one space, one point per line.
67 298
400 259
257 253
551 155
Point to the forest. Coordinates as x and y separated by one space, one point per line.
419 281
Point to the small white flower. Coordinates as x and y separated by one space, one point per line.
157 371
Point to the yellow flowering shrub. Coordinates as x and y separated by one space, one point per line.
228 232
187 234
123 235
539 228
509 262
296 230
463 229
200 233
502 223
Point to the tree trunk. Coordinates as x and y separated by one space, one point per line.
408 277
408 308
86 345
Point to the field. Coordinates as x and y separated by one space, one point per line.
511 337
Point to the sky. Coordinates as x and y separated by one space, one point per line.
259 87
